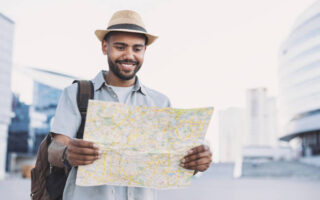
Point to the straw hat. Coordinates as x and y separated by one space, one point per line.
126 21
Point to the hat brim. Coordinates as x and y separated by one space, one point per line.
101 33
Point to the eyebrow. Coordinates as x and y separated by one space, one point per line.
139 45
124 44
120 43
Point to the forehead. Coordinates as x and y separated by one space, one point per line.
128 38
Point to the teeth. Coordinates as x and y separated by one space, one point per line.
127 65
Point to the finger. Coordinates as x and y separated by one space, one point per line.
197 149
83 144
201 161
80 158
200 168
197 156
82 151
77 163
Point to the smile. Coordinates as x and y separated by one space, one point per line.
127 66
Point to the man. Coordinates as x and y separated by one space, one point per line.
124 42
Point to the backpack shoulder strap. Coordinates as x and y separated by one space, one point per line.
85 92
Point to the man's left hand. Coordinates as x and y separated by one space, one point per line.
198 158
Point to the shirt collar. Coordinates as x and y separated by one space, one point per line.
138 87
99 81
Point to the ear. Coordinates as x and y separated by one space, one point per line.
104 45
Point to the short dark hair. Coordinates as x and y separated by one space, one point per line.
108 35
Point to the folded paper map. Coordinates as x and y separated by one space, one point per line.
142 146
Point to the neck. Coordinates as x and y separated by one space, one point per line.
112 79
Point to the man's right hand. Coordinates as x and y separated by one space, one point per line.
81 152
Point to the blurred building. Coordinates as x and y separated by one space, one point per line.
18 131
19 127
261 115
6 46
261 135
32 122
231 132
250 132
47 88
42 110
299 74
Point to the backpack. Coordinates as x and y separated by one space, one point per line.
47 181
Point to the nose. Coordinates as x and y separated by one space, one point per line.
129 54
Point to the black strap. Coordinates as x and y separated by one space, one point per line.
128 26
85 92
49 138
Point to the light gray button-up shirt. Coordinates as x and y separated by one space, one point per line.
67 120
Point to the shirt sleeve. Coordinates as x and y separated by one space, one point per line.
67 118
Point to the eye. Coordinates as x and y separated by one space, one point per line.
121 48
137 49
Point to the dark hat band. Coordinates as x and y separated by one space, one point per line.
127 26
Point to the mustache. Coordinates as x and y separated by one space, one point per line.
127 61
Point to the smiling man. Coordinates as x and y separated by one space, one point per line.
124 42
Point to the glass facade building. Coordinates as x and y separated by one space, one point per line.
43 108
19 127
6 46
47 89
31 123
299 81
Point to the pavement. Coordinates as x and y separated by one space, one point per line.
312 160
281 169
263 181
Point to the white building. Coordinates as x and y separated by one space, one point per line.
6 46
231 133
246 132
261 118
299 78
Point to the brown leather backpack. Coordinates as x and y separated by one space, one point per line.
47 181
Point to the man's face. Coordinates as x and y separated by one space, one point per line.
125 53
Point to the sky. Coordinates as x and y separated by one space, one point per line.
209 52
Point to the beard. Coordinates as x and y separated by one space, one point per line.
116 70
